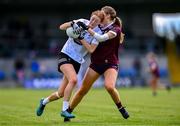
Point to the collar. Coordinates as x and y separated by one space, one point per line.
103 28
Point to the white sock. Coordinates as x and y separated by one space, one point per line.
65 105
45 101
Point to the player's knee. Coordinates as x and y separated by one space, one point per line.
73 80
60 94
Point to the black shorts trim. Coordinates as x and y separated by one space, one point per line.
101 68
65 59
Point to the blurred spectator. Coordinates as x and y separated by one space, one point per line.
2 75
35 68
178 44
53 46
137 66
34 65
44 26
19 66
128 32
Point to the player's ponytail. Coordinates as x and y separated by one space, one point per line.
119 23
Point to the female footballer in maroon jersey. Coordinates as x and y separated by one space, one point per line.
155 75
154 70
104 60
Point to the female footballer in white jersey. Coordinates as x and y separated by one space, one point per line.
70 59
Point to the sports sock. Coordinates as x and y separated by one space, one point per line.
69 110
45 101
119 105
65 105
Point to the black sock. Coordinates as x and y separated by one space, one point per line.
69 110
119 105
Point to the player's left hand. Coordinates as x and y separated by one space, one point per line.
76 27
81 24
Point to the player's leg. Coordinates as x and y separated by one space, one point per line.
84 67
110 76
153 83
90 77
58 94
54 96
71 76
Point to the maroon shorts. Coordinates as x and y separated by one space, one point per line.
101 68
156 74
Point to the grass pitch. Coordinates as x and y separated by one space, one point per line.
17 108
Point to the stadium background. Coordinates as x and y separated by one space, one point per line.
30 39
29 44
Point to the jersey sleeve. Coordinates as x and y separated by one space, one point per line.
115 30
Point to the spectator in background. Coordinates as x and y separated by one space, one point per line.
137 66
177 40
34 66
178 44
19 66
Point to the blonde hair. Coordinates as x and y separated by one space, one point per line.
99 14
112 12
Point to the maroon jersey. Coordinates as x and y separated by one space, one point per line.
154 68
107 52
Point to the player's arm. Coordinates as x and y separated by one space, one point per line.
101 38
66 25
90 47
153 67
122 38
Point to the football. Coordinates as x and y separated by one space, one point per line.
71 33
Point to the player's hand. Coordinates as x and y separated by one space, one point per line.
76 27
81 36
81 24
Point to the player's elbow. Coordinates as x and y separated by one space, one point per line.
61 27
64 26
92 48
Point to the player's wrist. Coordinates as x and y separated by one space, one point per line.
72 23
88 28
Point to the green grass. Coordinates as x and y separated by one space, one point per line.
17 108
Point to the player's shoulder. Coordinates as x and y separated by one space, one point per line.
116 28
